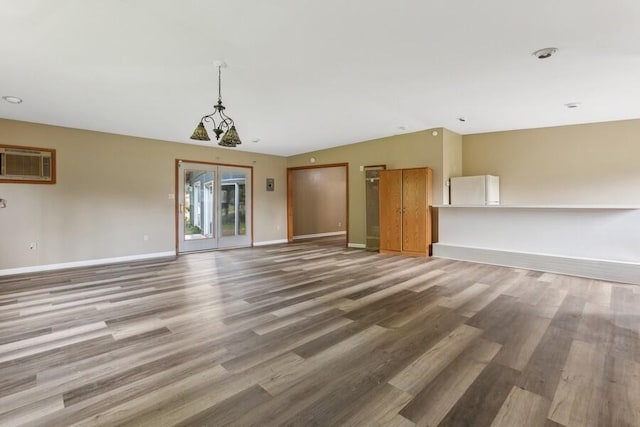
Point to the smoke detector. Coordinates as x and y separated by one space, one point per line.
545 53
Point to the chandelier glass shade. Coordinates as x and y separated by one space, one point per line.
222 124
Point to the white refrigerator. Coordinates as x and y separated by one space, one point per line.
478 190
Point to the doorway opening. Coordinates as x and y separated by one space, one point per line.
318 203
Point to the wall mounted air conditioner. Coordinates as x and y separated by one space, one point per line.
19 164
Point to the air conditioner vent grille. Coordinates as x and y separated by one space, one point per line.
27 165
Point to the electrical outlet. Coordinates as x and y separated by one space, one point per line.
339 224
145 237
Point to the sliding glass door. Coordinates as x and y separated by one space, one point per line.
214 207
234 206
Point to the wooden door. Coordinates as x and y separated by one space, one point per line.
390 210
416 230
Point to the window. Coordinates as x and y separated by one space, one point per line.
27 165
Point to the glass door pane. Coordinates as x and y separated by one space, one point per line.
197 230
235 184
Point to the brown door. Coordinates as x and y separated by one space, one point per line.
414 211
391 210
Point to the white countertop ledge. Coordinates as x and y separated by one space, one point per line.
596 207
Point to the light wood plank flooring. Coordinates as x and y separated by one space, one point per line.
315 334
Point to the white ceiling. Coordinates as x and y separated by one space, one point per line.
304 75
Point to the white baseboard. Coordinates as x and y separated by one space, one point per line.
270 242
311 236
614 271
86 263
357 245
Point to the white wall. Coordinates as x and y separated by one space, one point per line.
590 242
604 234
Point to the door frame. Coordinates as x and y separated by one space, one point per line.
290 195
177 192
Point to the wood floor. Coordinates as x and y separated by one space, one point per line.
315 334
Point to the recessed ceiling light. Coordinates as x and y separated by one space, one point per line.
545 53
12 99
572 105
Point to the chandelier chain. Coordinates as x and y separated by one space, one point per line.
219 86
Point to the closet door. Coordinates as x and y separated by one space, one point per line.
391 210
416 236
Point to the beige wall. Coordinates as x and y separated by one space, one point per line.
417 149
111 191
319 200
583 164
451 160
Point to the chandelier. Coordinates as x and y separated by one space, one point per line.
221 122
